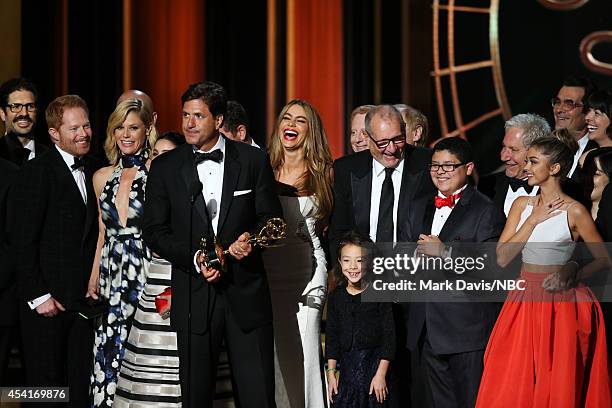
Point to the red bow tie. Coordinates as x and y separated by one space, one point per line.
449 201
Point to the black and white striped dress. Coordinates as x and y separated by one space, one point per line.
149 373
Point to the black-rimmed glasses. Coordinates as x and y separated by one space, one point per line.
383 143
446 167
16 107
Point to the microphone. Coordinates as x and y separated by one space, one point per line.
196 190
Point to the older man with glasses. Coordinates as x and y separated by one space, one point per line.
18 109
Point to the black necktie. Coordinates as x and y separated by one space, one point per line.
384 227
216 156
78 164
515 184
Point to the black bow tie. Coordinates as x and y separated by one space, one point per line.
78 164
515 184
216 156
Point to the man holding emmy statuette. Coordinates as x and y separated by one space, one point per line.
207 205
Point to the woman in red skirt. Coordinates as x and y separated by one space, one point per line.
548 346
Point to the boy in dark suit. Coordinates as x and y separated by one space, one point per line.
450 338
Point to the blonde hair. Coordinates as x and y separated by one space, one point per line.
317 178
117 118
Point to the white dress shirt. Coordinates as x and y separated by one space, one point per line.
31 147
79 179
210 174
513 195
582 142
378 177
254 144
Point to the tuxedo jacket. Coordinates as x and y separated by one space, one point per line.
353 191
248 200
454 327
53 232
8 150
7 275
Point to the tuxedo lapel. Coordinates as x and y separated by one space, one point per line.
430 210
231 172
501 190
361 188
449 230
64 173
188 174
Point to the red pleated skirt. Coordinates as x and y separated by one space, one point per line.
547 350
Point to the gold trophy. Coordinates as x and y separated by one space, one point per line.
214 257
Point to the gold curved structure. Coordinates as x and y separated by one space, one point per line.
493 63
586 54
563 5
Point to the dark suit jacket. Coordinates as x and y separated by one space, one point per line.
9 145
53 232
353 191
166 231
7 276
455 327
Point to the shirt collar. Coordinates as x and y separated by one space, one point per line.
68 158
378 169
582 142
219 145
456 192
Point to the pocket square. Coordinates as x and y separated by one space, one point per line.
241 192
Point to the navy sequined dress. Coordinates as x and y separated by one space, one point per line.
124 264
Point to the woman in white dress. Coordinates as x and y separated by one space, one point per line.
297 269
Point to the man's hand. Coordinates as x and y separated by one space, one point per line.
210 274
430 245
50 308
241 247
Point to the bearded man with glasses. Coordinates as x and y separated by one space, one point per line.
18 109
373 193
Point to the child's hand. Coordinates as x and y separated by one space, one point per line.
332 385
379 387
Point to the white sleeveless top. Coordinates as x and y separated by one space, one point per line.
551 241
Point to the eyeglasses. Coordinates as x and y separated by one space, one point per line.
16 107
383 143
566 104
446 167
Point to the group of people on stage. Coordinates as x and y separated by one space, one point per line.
86 250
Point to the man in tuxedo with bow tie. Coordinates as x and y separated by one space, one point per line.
503 188
449 339
53 219
218 189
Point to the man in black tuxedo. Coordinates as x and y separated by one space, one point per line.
53 220
451 337
373 188
503 188
373 192
18 109
237 199
8 305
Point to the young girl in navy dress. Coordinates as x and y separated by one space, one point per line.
360 336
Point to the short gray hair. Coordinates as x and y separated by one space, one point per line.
534 127
387 113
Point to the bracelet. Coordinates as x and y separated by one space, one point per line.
332 369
